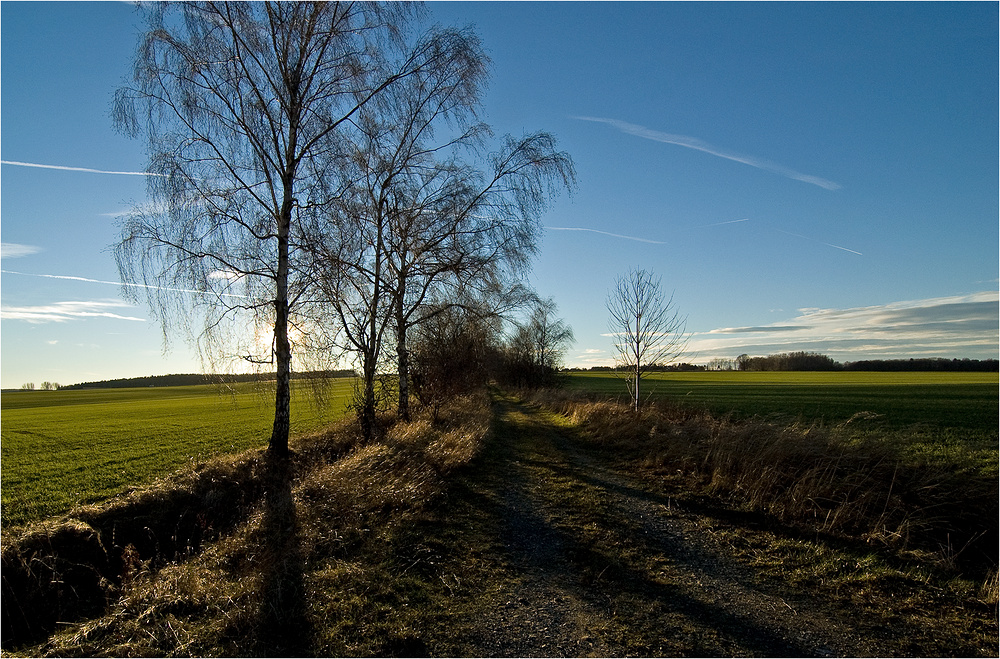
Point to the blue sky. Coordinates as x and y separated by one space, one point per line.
818 176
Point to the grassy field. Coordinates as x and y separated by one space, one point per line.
68 447
61 448
504 529
951 401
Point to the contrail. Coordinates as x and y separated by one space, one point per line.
643 240
77 169
698 145
605 233
121 283
799 235
719 224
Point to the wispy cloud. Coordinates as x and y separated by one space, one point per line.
60 312
799 235
701 226
699 145
759 329
719 224
229 275
643 240
75 169
955 326
14 250
126 285
606 233
589 357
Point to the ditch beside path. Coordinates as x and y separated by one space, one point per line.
607 568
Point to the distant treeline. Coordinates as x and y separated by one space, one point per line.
965 365
811 361
652 368
189 379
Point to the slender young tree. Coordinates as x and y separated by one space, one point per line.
647 328
246 107
551 336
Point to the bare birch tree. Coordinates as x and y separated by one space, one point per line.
472 234
548 335
245 106
647 329
428 228
391 161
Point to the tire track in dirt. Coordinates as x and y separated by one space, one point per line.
644 577
543 613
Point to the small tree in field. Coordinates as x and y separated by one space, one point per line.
648 330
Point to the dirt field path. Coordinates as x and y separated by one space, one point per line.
611 569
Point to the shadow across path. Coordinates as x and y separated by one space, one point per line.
640 581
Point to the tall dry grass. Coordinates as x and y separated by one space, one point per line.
833 480
217 559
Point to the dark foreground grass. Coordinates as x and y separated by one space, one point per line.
65 448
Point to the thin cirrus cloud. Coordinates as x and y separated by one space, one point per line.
607 233
60 312
16 250
213 275
699 145
637 238
66 168
703 226
799 235
954 326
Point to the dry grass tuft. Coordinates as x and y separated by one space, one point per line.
989 592
339 503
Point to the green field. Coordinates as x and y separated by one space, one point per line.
965 401
61 448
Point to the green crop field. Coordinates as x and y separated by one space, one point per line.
953 401
67 447
61 448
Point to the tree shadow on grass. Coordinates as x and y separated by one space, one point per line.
282 628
